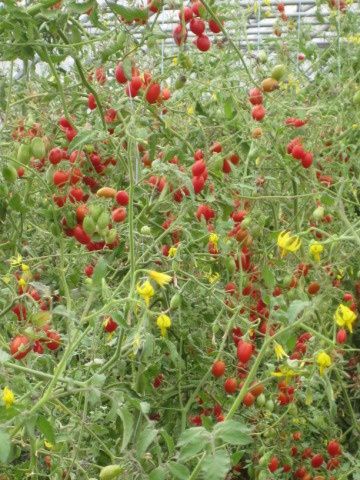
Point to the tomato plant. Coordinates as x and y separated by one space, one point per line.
179 212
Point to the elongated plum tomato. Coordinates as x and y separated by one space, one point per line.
120 74
248 399
203 43
54 339
230 385
255 96
218 368
60 178
153 93
244 351
258 113
341 336
20 347
122 198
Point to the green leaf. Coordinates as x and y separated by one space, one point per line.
128 423
145 439
46 428
232 432
169 441
158 474
16 204
84 137
192 441
5 446
215 467
229 108
4 356
295 308
129 14
99 272
81 7
179 471
268 277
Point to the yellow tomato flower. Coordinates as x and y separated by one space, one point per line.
288 243
160 278
24 267
190 110
172 252
8 397
315 250
163 322
345 317
279 351
213 277
146 291
214 239
323 360
21 282
16 261
286 372
48 445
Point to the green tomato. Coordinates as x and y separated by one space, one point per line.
110 472
261 400
356 98
269 405
110 235
9 173
278 72
38 147
103 221
95 211
89 225
175 301
230 265
263 58
145 230
180 82
23 154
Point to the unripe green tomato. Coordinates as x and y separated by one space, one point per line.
38 148
145 230
185 61
261 400
110 235
264 459
95 211
246 222
278 72
88 148
218 163
120 39
88 282
263 58
318 213
230 265
175 301
103 221
23 154
269 405
356 98
4 191
70 218
40 318
293 409
269 433
89 225
253 152
55 229
180 82
110 472
285 282
9 173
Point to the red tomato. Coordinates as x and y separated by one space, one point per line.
20 347
218 368
230 385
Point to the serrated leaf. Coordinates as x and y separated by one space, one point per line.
129 14
229 108
81 7
192 441
268 277
295 308
99 272
84 137
158 474
145 439
215 467
5 445
233 432
4 356
128 423
46 428
179 471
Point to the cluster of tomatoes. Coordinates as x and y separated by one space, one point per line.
191 15
38 332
